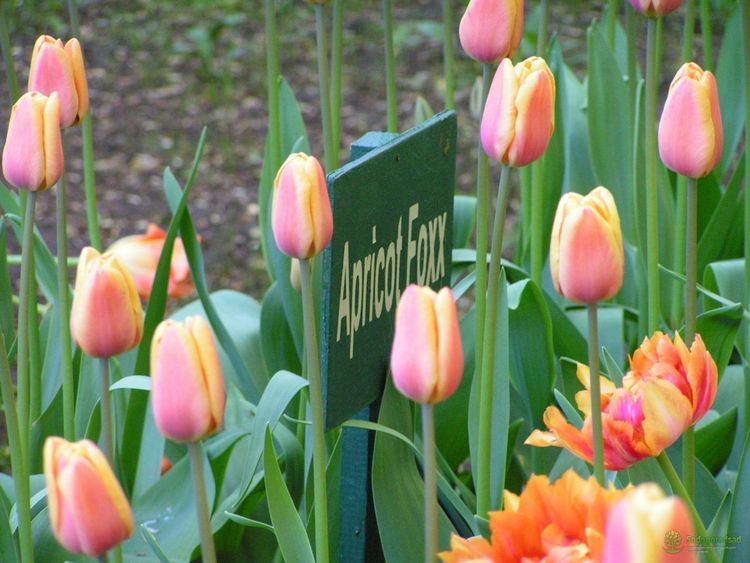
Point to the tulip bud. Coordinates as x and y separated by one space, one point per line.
141 253
59 68
106 318
33 155
519 116
88 511
690 130
302 220
655 7
491 30
647 526
426 358
187 389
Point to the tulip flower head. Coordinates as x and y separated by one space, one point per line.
491 30
141 253
667 389
691 135
655 7
426 322
302 220
59 68
187 389
88 510
586 254
33 155
519 116
106 318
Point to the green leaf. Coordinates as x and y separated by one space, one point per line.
277 343
422 110
718 328
731 85
153 544
464 216
727 278
290 531
713 441
740 509
249 522
6 291
7 543
141 382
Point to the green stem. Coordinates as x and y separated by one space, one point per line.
272 85
678 264
688 32
746 42
450 79
541 41
691 260
537 221
390 66
316 410
10 70
17 458
106 410
707 35
596 395
35 353
63 296
25 301
484 440
614 7
208 551
430 484
652 196
337 49
324 86
679 489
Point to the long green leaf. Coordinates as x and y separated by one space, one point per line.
740 510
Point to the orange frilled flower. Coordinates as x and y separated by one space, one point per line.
667 389
561 521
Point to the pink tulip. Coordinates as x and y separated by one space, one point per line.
88 511
690 130
586 255
187 389
302 220
519 116
106 318
426 358
33 155
655 7
491 30
59 68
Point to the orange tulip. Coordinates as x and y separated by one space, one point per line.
585 254
491 30
519 116
141 253
88 511
106 318
656 7
667 389
59 68
690 130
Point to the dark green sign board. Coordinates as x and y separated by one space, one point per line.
392 217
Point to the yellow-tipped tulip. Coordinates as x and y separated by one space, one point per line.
88 511
491 30
33 155
187 389
106 318
59 68
586 255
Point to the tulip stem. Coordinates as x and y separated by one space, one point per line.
679 489
272 85
10 70
678 300
450 79
106 408
324 86
208 551
316 411
18 464
63 297
542 33
430 484
652 195
707 35
485 438
537 173
596 394
390 66
337 48
746 42
688 33
613 7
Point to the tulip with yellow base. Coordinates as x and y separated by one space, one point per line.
491 30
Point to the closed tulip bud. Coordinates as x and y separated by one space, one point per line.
88 511
187 389
59 68
690 130
106 318
519 116
586 255
426 358
491 30
655 7
33 155
141 253
302 220
647 526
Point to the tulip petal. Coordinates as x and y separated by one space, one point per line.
491 30
666 414
499 117
51 71
210 366
535 111
450 353
75 54
23 154
53 153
